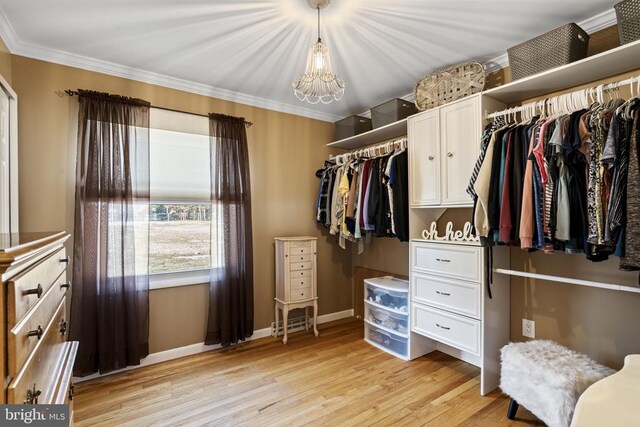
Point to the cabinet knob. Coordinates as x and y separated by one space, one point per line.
449 154
36 332
65 285
64 260
430 157
63 327
35 291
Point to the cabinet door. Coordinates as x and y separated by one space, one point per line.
424 153
460 123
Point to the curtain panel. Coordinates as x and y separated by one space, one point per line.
231 287
110 298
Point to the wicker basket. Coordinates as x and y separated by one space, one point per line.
449 84
391 111
352 125
558 47
628 15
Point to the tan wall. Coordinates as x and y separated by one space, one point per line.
284 151
5 62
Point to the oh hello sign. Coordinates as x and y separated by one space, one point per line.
450 235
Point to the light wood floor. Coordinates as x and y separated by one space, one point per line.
335 379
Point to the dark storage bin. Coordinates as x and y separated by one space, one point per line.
558 47
628 15
391 111
352 125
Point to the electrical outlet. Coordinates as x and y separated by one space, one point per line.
528 328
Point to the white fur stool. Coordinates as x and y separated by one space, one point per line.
547 379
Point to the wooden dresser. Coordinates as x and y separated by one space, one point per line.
37 360
296 273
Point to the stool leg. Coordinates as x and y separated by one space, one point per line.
513 408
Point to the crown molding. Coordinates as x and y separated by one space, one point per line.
16 47
591 25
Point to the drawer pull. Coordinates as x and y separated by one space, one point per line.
71 391
444 294
36 332
65 260
449 154
63 327
442 327
35 291
443 260
32 396
65 285
430 157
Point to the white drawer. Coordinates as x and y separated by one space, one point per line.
386 319
455 261
300 258
457 296
299 294
299 250
302 282
457 331
300 273
297 266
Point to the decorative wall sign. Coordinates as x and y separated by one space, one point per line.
450 235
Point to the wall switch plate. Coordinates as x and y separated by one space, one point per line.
528 328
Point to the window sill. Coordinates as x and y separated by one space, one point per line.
177 279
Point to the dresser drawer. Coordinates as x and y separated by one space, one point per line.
457 331
299 250
43 365
26 289
302 282
456 261
297 266
23 338
299 274
300 294
457 296
300 258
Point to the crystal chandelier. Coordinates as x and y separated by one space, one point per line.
318 83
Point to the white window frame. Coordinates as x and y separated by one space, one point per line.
177 279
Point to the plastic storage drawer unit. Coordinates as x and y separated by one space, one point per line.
388 292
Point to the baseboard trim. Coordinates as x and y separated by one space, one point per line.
189 350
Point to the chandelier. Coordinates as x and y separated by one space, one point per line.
318 83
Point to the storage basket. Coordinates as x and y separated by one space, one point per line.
449 84
352 125
391 111
628 15
558 47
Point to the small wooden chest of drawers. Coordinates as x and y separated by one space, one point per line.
296 273
37 360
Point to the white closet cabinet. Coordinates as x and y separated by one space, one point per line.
444 143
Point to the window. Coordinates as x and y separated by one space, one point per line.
180 207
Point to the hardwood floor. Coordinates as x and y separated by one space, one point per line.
336 379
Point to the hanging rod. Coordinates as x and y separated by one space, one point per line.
555 99
72 92
569 280
372 150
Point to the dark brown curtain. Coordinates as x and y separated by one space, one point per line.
231 286
110 299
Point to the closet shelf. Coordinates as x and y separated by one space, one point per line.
569 280
603 65
381 134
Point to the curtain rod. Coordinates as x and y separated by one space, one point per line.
72 92
373 149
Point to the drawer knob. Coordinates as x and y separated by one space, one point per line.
63 327
65 260
32 395
36 332
444 294
449 154
35 291
65 285
442 327
71 391
430 157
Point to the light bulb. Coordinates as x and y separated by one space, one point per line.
319 60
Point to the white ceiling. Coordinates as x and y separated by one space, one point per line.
251 50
